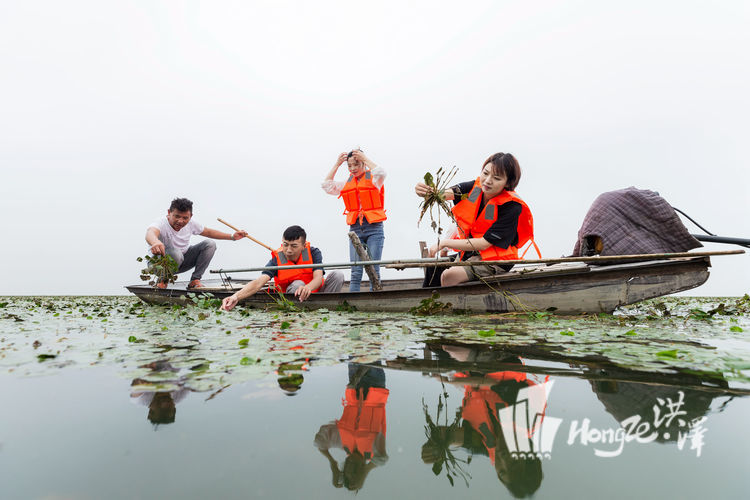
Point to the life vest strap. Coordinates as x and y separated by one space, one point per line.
536 248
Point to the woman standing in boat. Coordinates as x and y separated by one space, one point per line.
363 196
493 221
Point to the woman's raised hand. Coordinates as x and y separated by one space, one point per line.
341 159
360 156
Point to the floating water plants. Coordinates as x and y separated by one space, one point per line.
160 269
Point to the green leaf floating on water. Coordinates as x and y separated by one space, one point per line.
486 333
569 333
285 325
668 354
243 341
43 357
631 332
736 329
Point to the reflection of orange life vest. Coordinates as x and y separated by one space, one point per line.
362 420
286 276
362 198
472 224
481 404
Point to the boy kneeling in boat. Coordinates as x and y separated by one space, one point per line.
170 235
295 250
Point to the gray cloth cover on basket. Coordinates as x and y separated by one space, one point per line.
634 221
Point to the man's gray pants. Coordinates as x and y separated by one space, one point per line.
196 256
333 283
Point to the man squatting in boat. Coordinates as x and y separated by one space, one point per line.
295 250
493 222
170 235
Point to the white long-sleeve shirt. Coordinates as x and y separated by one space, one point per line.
334 187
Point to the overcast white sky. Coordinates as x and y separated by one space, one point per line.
109 109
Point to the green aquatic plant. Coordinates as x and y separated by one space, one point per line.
436 197
440 438
204 300
703 346
282 303
344 307
160 269
671 353
431 305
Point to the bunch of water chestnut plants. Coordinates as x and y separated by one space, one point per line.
160 269
436 197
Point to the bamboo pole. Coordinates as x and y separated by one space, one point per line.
597 259
246 236
334 265
369 269
445 262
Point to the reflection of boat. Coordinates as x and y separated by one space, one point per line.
445 357
566 287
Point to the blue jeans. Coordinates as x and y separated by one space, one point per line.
372 237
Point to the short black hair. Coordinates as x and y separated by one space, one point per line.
181 205
507 164
294 233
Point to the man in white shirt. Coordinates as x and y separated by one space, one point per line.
170 235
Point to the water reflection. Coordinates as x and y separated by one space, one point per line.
290 376
673 414
162 405
360 432
482 426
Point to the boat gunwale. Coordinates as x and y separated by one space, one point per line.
455 289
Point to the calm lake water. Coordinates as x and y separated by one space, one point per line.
110 398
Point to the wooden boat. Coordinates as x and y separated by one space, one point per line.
565 285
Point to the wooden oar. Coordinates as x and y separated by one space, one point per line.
246 236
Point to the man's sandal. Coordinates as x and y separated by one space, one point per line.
195 284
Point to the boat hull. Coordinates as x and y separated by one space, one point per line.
564 289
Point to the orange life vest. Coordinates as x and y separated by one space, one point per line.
363 419
472 224
480 406
363 199
286 276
